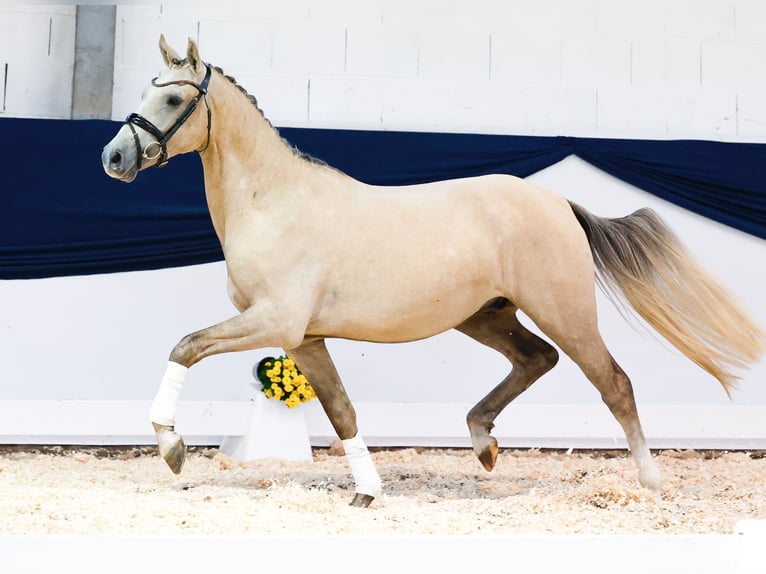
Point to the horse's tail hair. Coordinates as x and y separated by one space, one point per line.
640 260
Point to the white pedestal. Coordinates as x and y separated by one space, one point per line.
273 431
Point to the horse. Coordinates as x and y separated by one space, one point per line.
312 253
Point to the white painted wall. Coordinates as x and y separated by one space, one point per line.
36 60
653 69
650 69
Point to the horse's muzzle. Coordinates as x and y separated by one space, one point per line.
119 160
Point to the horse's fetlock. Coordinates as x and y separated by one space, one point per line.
479 420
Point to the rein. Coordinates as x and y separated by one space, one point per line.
134 121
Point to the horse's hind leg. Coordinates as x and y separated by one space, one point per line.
315 362
617 393
574 329
497 326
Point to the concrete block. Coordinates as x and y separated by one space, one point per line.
309 49
94 62
27 35
697 20
489 107
129 82
382 51
418 105
283 99
454 53
7 9
703 114
237 46
749 20
595 61
525 59
733 65
645 19
345 102
632 112
36 63
423 13
683 63
648 63
751 120
548 18
346 12
292 11
137 32
660 63
560 110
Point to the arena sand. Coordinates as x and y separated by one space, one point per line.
130 491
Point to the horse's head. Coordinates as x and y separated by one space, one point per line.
168 121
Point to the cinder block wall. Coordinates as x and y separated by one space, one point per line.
651 69
36 60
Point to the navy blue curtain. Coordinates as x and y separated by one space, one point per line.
64 216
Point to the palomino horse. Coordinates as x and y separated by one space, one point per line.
312 253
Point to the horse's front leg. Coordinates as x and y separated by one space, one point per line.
314 361
254 328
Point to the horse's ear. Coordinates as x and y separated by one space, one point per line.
169 55
192 56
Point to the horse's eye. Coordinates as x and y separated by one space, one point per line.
174 101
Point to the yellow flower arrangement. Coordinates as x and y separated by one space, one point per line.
282 380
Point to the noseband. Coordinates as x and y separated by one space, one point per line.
159 147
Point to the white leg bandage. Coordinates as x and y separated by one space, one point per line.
165 402
363 469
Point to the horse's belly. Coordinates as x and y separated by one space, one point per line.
399 316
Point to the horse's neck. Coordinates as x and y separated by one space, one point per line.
245 158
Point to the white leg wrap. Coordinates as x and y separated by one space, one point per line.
165 402
363 469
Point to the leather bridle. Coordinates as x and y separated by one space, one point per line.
160 154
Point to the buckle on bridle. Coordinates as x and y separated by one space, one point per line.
150 156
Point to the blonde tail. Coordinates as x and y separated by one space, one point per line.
639 260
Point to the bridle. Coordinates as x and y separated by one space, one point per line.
160 154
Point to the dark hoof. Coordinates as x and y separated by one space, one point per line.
488 455
172 447
362 500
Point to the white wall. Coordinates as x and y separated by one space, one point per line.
36 60
650 69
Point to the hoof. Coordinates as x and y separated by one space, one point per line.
172 447
362 500
488 454
653 483
649 475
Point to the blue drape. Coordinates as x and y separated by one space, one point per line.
64 216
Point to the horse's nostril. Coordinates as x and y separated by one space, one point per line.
115 159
